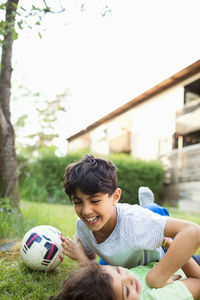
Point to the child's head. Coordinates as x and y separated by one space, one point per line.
90 175
88 283
100 283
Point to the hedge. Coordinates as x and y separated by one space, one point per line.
42 179
135 173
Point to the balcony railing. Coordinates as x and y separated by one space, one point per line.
188 119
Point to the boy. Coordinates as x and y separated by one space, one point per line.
122 234
94 281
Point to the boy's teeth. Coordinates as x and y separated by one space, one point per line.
91 219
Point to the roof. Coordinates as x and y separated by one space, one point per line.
162 86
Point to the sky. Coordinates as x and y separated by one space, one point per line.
105 61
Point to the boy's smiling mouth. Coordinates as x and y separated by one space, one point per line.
92 220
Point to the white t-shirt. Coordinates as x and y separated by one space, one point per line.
135 240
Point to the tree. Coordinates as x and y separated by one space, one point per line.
51 115
8 161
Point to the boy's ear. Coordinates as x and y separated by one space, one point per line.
117 195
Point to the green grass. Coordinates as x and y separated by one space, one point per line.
16 280
59 216
190 216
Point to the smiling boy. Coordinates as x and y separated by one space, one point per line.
122 234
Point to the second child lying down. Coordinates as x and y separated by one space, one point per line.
99 282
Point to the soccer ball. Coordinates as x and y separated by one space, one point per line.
41 248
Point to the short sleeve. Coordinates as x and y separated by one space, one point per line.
146 228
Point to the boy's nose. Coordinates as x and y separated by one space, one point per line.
86 210
128 278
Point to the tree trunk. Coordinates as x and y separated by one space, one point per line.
8 160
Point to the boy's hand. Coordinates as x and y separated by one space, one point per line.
173 278
186 241
71 249
75 251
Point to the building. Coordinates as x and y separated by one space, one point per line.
161 123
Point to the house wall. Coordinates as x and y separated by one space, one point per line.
183 177
112 136
99 140
154 123
183 164
81 142
148 127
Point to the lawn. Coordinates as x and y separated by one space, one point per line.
16 280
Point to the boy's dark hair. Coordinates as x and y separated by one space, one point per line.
91 175
88 283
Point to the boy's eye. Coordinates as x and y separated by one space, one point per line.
127 292
117 269
76 202
95 201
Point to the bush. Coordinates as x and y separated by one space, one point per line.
42 180
23 168
135 173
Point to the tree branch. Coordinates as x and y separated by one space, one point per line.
47 9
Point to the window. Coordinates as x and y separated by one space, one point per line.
188 139
192 91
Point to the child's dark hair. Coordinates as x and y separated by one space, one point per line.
91 175
88 283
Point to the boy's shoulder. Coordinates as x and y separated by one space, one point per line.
130 213
127 205
137 213
128 208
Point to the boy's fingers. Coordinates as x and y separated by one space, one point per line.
67 245
67 241
67 238
176 277
173 278
67 250
70 247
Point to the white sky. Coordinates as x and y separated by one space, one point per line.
107 61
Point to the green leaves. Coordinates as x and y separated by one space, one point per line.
134 173
40 35
14 35
19 23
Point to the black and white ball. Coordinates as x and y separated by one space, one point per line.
41 248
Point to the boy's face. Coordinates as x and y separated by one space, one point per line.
125 285
97 211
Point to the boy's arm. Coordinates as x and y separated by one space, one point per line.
192 271
186 241
193 285
76 251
